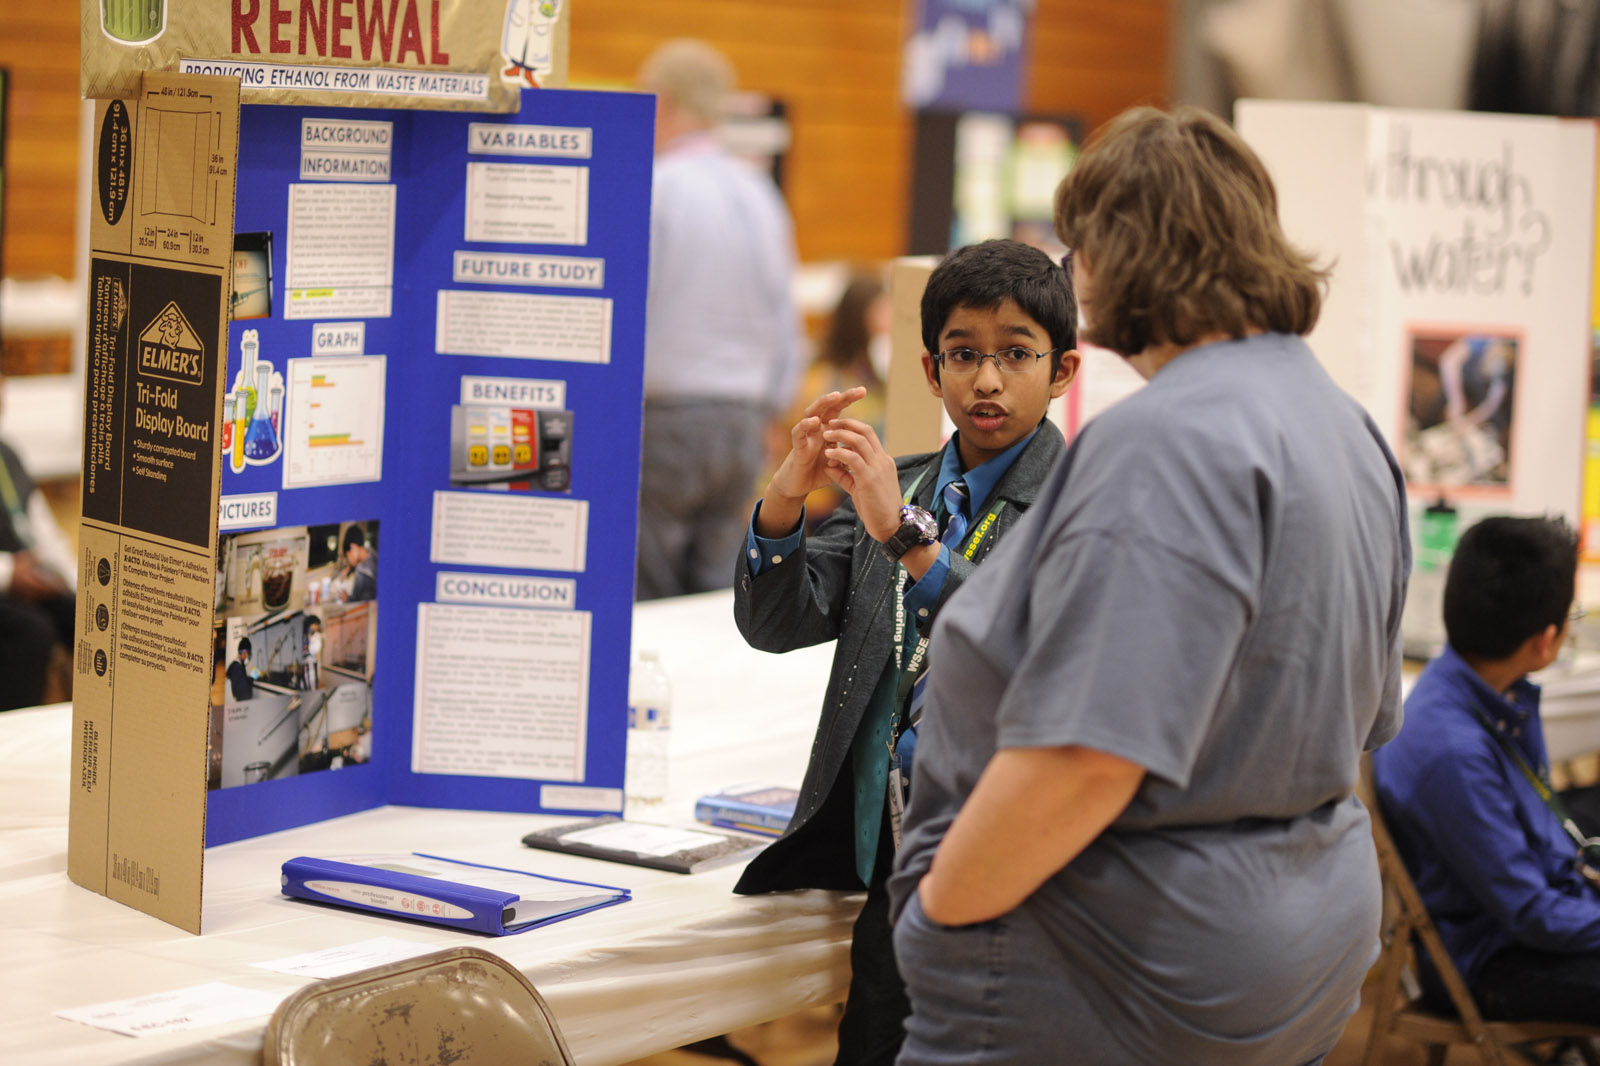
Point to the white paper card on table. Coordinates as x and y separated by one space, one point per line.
643 838
159 1013
347 958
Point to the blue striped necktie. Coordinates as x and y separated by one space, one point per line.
954 499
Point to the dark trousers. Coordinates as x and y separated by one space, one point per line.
1520 984
697 481
873 1026
28 631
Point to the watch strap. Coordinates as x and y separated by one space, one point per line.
917 526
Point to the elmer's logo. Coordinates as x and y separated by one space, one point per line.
170 348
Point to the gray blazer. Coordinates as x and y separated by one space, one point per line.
840 586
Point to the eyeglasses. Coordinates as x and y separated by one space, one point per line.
1017 360
1570 628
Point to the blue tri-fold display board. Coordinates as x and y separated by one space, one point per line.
435 361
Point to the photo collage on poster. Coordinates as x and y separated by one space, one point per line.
1460 402
294 644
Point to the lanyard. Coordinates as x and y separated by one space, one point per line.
911 669
15 507
1588 847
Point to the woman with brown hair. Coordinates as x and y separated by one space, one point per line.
1132 835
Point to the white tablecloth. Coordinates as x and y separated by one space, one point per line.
686 959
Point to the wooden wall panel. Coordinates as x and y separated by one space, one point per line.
835 64
40 48
1097 58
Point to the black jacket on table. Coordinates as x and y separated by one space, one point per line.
840 586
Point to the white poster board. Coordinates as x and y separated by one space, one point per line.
1458 314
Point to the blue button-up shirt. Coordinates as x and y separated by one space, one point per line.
922 595
1492 863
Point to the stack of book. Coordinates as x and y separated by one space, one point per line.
764 809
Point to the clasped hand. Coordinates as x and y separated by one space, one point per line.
824 449
34 581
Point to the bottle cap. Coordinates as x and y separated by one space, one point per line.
1437 537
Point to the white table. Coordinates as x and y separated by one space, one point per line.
685 960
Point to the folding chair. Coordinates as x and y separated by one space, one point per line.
1406 923
461 1006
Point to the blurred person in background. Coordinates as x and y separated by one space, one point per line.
722 336
38 579
854 353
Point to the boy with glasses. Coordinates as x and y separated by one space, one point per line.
999 324
1495 855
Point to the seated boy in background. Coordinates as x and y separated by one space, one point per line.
999 324
1499 868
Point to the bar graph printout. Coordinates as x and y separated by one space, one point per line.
335 421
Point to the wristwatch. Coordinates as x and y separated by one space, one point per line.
916 527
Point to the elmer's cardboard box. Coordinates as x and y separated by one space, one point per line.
161 238
169 756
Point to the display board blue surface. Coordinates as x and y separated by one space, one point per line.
349 756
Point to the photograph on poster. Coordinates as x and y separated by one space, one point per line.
251 296
344 563
1459 411
290 568
511 447
291 694
263 571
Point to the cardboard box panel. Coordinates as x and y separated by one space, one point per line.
160 247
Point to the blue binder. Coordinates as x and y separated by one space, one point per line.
485 899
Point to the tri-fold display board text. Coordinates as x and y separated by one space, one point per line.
414 337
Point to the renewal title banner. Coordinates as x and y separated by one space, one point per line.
467 55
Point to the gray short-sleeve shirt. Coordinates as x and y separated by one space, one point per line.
1209 585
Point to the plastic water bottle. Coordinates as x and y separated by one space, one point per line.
1422 623
649 719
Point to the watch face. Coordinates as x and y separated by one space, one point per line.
918 525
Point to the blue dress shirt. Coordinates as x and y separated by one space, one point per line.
1492 863
763 554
